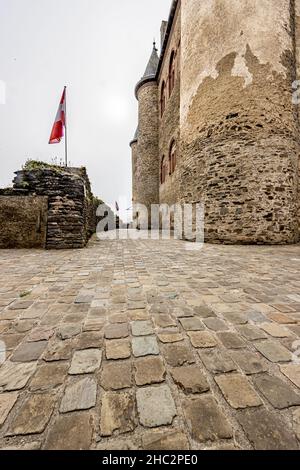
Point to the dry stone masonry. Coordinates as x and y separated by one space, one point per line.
49 207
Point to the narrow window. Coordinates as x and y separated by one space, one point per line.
163 170
163 98
172 157
172 73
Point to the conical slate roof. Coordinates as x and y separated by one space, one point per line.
135 137
152 66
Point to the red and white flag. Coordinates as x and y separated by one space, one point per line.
60 121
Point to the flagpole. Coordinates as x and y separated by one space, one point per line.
66 130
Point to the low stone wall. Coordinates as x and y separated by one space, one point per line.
70 202
23 221
69 209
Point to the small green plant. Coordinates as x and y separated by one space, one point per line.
38 165
25 293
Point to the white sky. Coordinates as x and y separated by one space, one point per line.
99 49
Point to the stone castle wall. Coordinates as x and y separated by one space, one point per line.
239 128
233 119
134 155
169 123
23 220
147 174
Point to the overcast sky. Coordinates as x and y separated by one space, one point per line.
99 49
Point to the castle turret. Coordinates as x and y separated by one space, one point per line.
134 153
146 182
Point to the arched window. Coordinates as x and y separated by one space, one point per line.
172 73
163 98
172 157
163 170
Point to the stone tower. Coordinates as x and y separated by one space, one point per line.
134 153
145 148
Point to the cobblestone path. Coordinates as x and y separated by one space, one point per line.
145 345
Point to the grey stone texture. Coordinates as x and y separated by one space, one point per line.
191 390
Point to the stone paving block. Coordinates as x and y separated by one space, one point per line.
79 395
190 379
284 308
34 445
170 337
58 351
15 376
11 341
117 444
231 340
292 372
118 318
266 430
155 406
273 351
21 305
203 339
235 318
164 440
205 419
65 432
116 375
7 401
84 299
296 422
145 346
34 415
49 376
149 370
217 361
4 326
215 324
281 318
177 354
164 321
256 317
277 392
142 328
251 333
249 362
93 324
238 391
117 349
275 330
29 352
40 334
68 331
85 361
89 340
192 324
204 312
116 331
117 413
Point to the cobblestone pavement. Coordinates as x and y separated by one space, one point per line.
144 345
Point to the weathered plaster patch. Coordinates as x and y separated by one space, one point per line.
240 69
212 29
